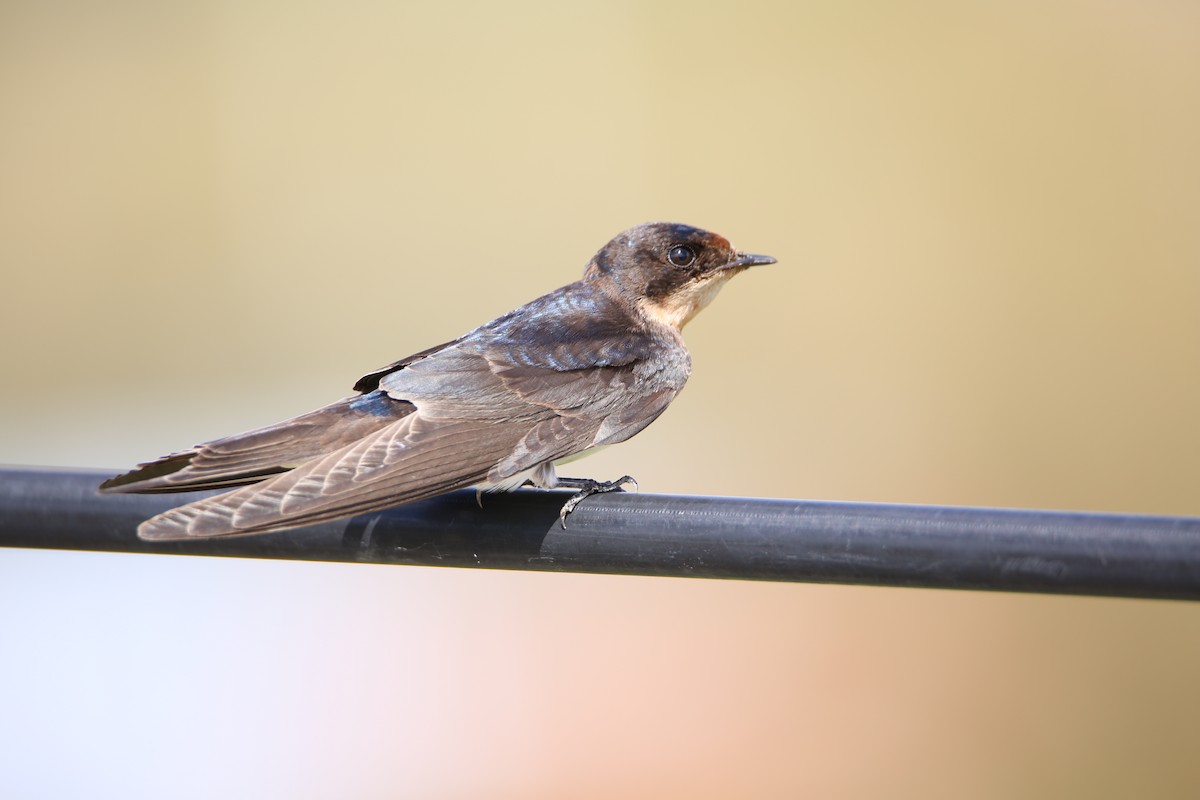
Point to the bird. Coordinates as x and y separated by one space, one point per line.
587 365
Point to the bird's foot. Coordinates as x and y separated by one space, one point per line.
588 487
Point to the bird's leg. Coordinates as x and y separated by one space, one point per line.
588 487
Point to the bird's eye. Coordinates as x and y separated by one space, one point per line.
681 255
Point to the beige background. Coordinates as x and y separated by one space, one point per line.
214 215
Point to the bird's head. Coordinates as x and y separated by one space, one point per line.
670 271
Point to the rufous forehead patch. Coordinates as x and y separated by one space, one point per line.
719 242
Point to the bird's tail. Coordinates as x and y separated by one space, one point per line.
255 455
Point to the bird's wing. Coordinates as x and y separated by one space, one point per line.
408 460
479 418
595 383
254 455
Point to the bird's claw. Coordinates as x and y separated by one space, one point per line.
588 487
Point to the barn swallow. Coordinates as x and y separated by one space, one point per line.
587 365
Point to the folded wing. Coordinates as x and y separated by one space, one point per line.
258 454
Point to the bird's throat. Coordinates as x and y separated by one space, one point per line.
678 308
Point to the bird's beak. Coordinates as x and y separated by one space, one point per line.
748 260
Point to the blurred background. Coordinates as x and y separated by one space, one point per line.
214 215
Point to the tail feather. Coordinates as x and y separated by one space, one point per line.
253 456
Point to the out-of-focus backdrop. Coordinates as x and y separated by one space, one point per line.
214 215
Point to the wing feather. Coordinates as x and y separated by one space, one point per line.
438 457
254 455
